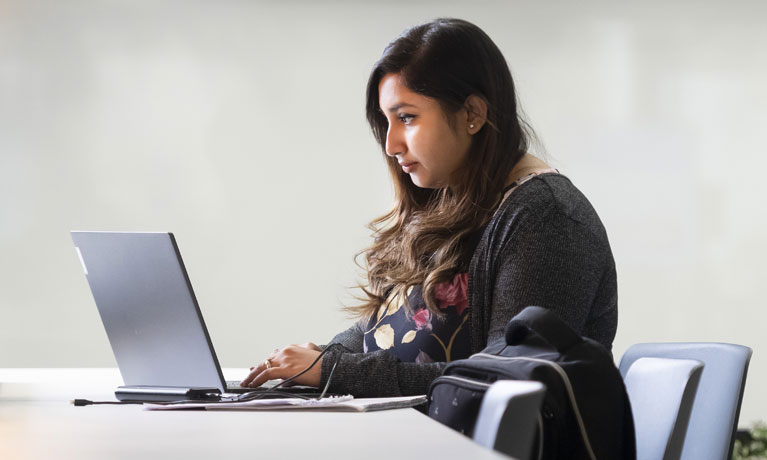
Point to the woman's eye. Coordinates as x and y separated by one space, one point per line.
404 118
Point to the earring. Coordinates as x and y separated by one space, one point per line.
471 126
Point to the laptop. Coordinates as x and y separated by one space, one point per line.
151 316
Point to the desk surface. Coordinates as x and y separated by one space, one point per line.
37 421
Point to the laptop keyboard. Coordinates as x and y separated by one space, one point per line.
233 386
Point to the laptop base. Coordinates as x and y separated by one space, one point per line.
140 393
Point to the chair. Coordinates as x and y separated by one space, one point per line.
508 417
716 407
661 392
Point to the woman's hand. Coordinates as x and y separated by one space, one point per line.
286 363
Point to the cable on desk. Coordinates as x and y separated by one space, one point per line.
88 402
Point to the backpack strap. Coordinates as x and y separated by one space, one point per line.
545 324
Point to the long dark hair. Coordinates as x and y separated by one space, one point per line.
422 239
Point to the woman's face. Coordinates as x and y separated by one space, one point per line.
419 135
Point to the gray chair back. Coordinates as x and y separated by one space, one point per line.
716 409
661 392
508 417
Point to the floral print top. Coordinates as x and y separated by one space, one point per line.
419 336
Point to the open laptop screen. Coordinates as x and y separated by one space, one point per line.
148 308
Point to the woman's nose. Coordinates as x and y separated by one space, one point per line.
394 142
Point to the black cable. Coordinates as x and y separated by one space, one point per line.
330 376
88 402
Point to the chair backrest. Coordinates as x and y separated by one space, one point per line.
661 391
716 409
508 417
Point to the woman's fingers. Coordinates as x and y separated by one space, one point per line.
254 371
274 371
284 364
266 375
261 374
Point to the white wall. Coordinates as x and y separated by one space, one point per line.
240 127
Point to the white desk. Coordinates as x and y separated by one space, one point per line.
37 422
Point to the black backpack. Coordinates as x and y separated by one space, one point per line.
585 413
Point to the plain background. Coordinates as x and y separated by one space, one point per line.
240 127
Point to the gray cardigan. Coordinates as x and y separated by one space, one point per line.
544 246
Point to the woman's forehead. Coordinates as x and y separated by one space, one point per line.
394 95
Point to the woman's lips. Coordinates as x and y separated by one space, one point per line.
408 167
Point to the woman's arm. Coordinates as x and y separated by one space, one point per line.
377 374
357 373
373 374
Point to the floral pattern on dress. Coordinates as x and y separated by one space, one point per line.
420 336
454 293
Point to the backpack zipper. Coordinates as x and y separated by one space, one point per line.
568 386
461 379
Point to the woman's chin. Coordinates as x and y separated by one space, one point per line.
421 182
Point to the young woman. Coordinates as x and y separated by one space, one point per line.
481 228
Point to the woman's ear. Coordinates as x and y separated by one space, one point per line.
476 113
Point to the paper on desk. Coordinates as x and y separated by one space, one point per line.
334 403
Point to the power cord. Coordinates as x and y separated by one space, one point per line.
88 402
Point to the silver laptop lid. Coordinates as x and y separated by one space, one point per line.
148 308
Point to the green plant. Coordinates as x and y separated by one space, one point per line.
751 444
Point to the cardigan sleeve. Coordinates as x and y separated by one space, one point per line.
377 374
373 374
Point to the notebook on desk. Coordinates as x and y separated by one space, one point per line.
151 316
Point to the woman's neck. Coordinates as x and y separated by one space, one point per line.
526 165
